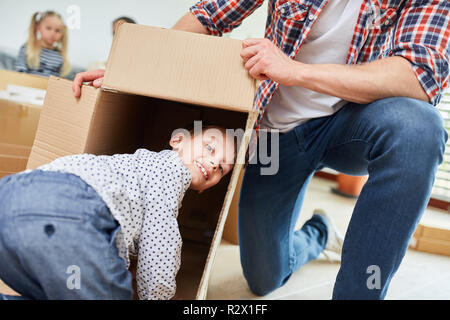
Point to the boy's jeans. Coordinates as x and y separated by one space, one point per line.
399 142
57 240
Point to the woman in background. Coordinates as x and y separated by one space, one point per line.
45 52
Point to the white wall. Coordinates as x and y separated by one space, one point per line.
91 42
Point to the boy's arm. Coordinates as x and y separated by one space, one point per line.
159 259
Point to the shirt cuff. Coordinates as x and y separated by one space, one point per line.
430 68
201 12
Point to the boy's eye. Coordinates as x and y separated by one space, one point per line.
221 169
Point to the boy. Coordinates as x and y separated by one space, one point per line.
67 228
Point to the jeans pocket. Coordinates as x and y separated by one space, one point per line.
48 242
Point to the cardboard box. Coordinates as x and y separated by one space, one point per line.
158 80
22 94
8 77
431 239
230 230
13 158
18 122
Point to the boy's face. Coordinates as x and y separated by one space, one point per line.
209 156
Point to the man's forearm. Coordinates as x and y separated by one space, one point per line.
190 23
390 77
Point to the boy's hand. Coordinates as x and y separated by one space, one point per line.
95 78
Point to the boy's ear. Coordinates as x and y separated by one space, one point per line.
177 141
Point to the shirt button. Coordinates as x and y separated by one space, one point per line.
311 17
387 22
282 10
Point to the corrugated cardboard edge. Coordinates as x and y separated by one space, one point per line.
60 100
165 97
203 287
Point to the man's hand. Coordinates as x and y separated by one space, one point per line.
94 78
264 60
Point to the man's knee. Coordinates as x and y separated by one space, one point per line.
415 125
262 286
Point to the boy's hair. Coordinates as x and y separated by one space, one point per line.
34 48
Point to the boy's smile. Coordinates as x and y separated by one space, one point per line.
204 172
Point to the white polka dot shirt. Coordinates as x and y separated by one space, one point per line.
143 191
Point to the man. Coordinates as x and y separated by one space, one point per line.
351 85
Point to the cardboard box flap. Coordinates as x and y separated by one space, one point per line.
240 160
64 122
179 66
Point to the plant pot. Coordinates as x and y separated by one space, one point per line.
350 186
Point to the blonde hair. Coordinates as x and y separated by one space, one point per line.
34 48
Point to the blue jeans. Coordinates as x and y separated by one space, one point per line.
57 240
398 142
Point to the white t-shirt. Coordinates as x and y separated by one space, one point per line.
327 42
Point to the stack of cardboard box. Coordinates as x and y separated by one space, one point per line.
432 239
158 80
18 121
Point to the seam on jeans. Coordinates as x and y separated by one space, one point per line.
112 246
19 254
293 259
301 148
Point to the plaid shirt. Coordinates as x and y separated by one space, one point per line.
417 30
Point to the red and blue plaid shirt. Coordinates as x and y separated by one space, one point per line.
417 30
